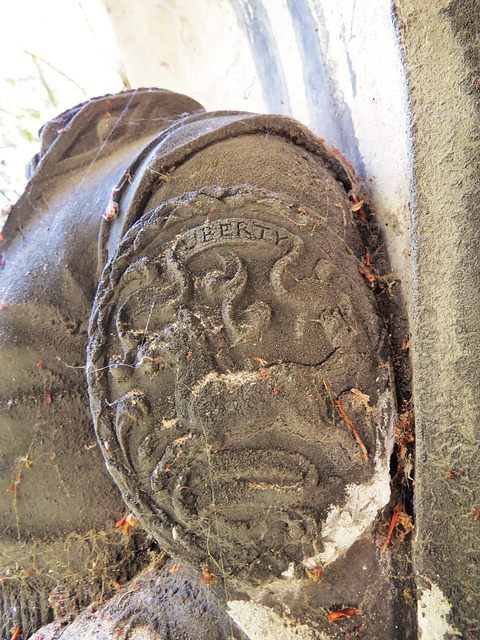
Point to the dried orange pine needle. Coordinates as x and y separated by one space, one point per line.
17 633
366 273
315 574
393 522
357 206
344 613
127 522
122 521
175 568
208 577
350 424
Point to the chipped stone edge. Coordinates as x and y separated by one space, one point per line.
262 623
432 613
343 526
346 523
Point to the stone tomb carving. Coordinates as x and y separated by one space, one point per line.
237 366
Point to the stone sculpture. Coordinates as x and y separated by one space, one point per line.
238 369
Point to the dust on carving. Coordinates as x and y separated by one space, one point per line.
251 461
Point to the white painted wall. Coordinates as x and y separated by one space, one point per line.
335 66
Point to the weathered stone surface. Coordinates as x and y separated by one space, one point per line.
157 604
238 367
58 506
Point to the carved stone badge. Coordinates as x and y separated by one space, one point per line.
238 377
236 370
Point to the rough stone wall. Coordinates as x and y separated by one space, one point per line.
441 49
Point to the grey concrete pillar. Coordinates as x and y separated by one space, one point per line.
441 55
